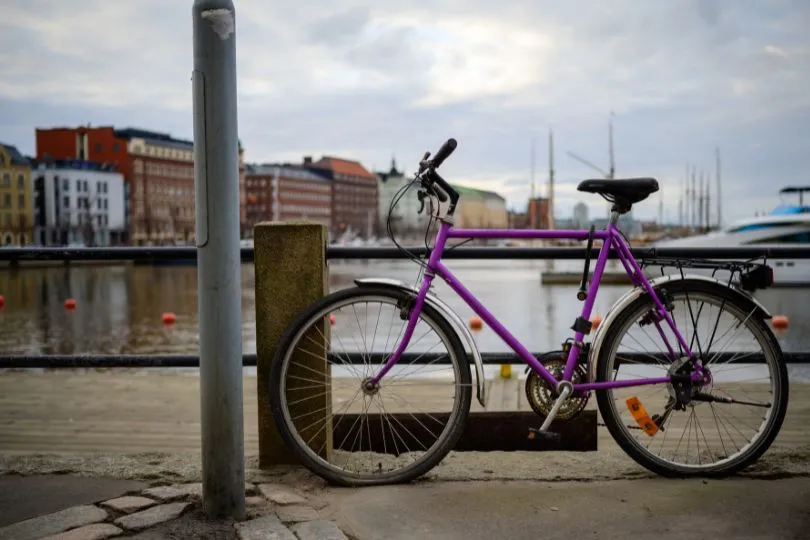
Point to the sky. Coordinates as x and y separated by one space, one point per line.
374 80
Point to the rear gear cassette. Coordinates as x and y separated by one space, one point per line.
541 395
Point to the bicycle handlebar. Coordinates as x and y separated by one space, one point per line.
443 153
431 180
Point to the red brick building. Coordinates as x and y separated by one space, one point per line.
285 192
159 173
538 214
355 194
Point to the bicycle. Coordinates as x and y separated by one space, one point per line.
558 385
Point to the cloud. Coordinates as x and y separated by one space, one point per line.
372 80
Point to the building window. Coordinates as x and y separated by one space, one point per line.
7 200
20 201
78 185
98 147
6 180
116 147
20 181
66 202
65 184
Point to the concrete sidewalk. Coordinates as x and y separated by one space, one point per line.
74 507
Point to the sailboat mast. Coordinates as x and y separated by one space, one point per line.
551 179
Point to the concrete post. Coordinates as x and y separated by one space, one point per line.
291 273
219 288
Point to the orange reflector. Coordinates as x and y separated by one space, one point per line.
642 418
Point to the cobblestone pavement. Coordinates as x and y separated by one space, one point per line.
274 511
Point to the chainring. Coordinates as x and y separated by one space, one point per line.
541 395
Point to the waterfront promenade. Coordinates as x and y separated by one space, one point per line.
143 427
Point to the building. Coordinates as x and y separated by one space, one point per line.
78 203
16 207
286 192
539 215
479 209
158 170
355 195
581 219
405 216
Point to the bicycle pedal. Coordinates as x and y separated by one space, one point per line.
549 436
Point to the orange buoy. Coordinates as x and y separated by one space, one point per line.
70 304
331 318
169 318
779 321
2 300
596 320
476 323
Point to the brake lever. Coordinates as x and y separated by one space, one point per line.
421 195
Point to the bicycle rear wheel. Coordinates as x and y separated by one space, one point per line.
731 421
351 435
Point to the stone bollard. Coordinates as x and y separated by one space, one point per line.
291 274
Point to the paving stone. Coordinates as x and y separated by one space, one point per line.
318 530
295 512
97 531
255 501
281 494
152 516
175 492
54 523
128 504
264 528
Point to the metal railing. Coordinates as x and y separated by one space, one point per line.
189 253
146 254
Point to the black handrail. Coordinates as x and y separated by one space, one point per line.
189 253
62 361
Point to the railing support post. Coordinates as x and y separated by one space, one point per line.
216 177
291 274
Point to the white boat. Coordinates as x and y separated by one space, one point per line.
788 225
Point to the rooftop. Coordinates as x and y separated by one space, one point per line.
73 164
283 169
343 166
16 157
465 190
156 137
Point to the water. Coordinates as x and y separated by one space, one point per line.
119 307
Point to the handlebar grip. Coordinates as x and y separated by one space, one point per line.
444 152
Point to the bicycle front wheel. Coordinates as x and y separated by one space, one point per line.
353 435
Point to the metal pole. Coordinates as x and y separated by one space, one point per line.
219 287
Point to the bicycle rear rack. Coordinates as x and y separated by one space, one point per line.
748 275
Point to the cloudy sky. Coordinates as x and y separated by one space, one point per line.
371 80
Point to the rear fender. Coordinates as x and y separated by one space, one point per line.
633 294
450 316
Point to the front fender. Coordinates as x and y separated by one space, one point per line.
633 294
452 318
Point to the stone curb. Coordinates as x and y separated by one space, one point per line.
274 510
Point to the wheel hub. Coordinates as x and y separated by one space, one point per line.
369 387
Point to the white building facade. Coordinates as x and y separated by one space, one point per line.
405 218
78 203
581 218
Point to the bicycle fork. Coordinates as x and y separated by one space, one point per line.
414 309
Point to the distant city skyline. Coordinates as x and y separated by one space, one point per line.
374 80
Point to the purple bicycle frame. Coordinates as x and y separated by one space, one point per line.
611 237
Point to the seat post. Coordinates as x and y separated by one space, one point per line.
614 216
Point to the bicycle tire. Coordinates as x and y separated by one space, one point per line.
640 454
451 432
